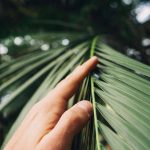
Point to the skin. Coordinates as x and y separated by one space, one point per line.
48 125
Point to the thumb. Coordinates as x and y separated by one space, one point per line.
74 119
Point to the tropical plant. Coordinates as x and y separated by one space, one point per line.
118 88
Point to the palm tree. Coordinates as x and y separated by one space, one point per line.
118 88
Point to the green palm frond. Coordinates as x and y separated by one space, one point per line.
124 88
119 90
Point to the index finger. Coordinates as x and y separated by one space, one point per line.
66 88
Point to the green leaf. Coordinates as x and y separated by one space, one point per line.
115 141
119 91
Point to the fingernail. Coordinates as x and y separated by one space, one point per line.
94 58
87 106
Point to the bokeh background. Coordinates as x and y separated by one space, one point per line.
125 23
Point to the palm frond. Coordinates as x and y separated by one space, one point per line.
119 91
124 88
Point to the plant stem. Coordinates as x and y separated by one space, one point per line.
93 46
93 97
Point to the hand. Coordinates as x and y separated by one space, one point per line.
48 125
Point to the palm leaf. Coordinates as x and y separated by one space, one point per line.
124 89
119 91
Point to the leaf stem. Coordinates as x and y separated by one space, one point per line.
93 46
93 97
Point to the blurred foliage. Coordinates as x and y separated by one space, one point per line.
116 19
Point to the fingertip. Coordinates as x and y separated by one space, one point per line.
86 106
94 58
91 63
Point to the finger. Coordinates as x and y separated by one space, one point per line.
68 86
74 119
54 104
60 95
70 123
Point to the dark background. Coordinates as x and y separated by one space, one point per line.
116 20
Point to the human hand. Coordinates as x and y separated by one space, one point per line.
48 125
